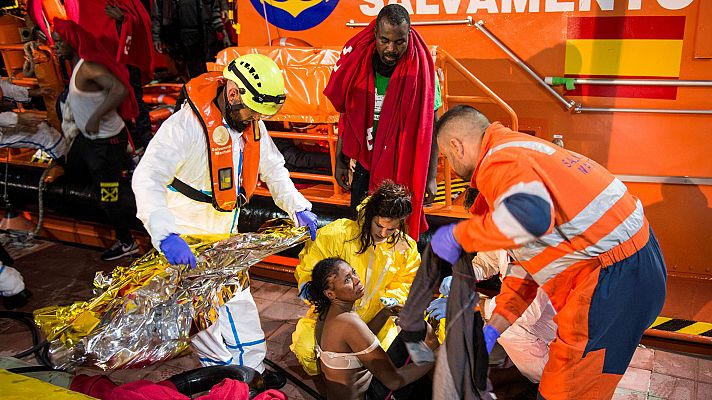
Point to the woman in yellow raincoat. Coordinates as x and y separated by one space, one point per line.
377 246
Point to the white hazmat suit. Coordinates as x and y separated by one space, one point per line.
179 150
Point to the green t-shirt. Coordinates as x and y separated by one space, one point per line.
381 86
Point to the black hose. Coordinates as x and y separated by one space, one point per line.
36 347
21 317
313 393
39 349
203 379
34 368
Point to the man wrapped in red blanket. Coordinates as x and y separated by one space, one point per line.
123 27
384 86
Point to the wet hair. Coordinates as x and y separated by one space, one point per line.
390 200
474 116
314 289
393 14
470 196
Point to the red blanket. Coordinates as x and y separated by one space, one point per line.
402 141
91 50
135 43
102 387
134 46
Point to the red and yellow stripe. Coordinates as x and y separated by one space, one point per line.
624 47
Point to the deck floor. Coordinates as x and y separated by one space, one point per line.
60 274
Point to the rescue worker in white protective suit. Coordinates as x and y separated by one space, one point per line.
526 342
15 131
200 168
12 286
29 128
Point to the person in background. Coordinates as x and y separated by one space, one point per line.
384 86
26 121
135 50
572 229
200 169
349 352
100 99
188 32
379 249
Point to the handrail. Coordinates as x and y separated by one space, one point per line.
672 180
442 60
580 109
467 21
448 59
568 104
555 81
21 47
331 137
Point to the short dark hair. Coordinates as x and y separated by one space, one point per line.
462 111
314 289
390 200
394 14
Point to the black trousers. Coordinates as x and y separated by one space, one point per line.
190 58
104 160
420 389
142 130
359 186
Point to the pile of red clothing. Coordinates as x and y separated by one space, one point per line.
101 387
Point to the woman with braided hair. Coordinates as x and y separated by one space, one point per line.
349 352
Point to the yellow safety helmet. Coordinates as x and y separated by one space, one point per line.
260 81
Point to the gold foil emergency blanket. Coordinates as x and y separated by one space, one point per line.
145 313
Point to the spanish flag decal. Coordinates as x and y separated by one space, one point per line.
624 48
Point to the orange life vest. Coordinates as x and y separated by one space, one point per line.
201 92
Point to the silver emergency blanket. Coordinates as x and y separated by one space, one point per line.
146 312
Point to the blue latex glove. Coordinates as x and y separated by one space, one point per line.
308 219
444 244
389 302
445 286
437 308
491 336
177 251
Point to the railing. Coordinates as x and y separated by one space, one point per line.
5 49
437 22
322 132
580 108
328 132
443 60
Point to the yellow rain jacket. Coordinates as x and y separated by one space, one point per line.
386 270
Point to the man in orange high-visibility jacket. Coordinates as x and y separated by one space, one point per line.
574 230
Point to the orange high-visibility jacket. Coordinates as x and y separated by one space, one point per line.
560 214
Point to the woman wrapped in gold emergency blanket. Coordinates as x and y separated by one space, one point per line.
144 313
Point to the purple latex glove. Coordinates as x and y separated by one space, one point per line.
491 336
177 251
444 244
308 219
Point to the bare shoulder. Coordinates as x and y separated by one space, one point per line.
353 327
91 69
